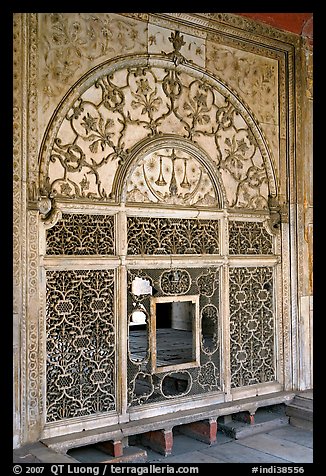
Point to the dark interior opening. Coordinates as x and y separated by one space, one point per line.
174 332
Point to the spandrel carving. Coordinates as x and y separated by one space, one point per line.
74 42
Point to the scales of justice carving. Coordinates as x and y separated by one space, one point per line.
172 178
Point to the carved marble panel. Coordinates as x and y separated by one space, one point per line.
249 238
80 370
81 234
136 103
251 326
91 89
192 47
147 385
165 236
255 79
253 76
171 176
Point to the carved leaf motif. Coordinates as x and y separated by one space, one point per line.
242 146
94 147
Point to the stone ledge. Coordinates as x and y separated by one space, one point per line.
63 443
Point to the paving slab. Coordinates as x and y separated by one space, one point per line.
181 444
192 457
38 453
296 435
236 453
281 445
277 447
91 454
184 445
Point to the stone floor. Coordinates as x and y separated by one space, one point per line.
284 445
287 444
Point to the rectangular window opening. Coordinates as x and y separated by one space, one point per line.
175 333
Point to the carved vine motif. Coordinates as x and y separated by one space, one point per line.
80 234
207 283
144 386
251 326
141 388
161 236
255 77
142 102
80 371
249 238
172 178
74 41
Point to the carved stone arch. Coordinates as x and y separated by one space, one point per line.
66 149
167 141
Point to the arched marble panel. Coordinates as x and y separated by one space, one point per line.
143 104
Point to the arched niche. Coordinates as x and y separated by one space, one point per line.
172 170
128 108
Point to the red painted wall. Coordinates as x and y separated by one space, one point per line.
294 22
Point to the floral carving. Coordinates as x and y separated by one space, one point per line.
165 236
251 326
255 77
249 238
144 386
80 343
80 234
208 377
75 41
176 281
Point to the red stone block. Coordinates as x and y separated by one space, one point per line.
201 430
113 448
159 440
245 417
251 419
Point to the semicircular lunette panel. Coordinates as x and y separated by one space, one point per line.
173 177
99 129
